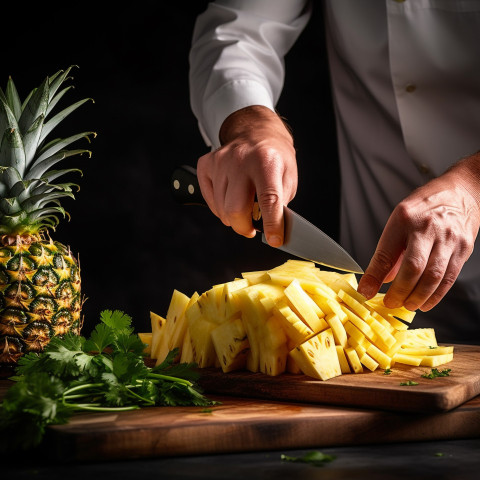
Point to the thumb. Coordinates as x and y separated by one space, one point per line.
271 208
383 266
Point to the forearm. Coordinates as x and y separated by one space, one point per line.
236 59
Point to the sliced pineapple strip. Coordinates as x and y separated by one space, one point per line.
146 338
158 323
342 359
427 351
305 307
436 360
293 318
231 345
318 357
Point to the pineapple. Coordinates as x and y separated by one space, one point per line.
40 294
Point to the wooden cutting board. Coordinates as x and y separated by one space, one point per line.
368 389
285 412
241 425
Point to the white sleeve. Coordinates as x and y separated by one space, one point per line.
237 57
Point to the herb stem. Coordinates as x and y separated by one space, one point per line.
94 407
171 379
136 395
82 387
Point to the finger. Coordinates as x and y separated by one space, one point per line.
393 273
205 182
431 278
451 273
270 200
219 191
239 199
412 268
385 260
290 183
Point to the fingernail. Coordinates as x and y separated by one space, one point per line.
411 306
391 302
367 287
274 241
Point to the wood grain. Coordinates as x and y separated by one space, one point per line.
241 424
285 412
367 390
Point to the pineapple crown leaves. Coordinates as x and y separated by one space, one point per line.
29 198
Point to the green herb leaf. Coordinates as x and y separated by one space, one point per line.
314 458
409 383
116 320
434 373
107 372
66 356
101 337
387 371
28 407
125 342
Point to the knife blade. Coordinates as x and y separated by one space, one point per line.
301 238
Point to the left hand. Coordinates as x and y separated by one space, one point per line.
427 239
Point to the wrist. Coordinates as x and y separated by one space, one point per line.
255 121
469 170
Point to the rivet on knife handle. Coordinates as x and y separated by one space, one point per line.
185 187
186 190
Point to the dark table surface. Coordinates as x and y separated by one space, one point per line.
455 459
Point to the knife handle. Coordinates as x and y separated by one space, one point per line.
186 191
185 187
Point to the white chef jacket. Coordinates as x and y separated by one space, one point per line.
405 79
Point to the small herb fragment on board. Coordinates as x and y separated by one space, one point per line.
439 454
434 373
104 373
315 458
408 383
387 371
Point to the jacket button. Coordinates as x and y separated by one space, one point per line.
423 169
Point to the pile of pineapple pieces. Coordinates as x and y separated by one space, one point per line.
294 318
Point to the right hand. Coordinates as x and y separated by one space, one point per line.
257 156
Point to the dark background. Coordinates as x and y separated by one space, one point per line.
134 242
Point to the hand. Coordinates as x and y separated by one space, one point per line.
427 240
257 156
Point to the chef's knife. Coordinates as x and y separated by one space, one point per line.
301 238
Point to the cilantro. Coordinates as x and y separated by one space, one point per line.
318 459
439 454
408 383
387 371
104 373
434 373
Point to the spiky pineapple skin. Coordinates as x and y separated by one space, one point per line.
40 296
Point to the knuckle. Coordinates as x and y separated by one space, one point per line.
404 211
414 265
269 198
234 213
448 280
434 275
382 261
464 247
